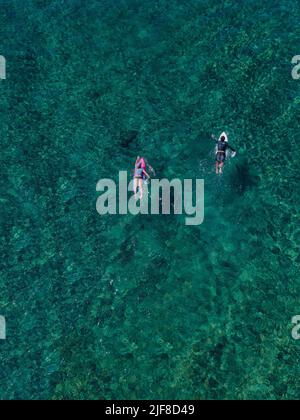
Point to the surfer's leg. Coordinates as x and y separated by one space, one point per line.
141 188
135 188
222 164
217 163
221 159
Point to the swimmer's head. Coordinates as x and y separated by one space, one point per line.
223 138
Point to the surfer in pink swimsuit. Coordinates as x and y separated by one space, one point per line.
145 165
140 175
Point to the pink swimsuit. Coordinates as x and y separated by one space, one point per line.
143 164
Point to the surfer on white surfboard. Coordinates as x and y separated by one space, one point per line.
222 149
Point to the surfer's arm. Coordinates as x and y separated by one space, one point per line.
151 169
214 138
231 148
148 176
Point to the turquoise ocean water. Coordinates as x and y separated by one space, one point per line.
124 307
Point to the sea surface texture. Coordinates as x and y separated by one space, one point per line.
145 307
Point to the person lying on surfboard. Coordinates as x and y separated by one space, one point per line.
222 151
139 175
